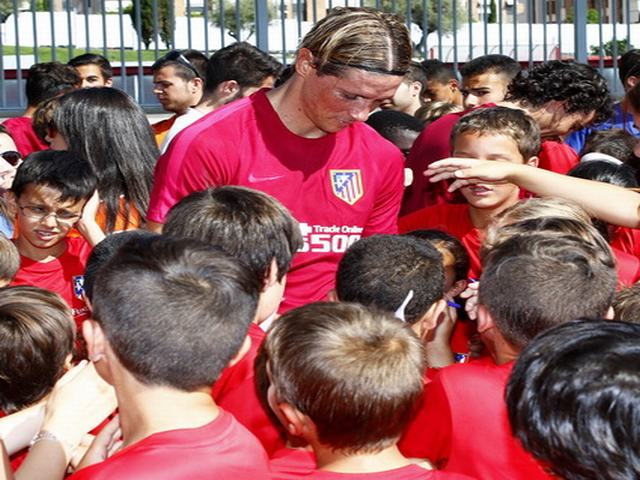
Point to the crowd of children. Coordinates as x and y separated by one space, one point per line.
266 300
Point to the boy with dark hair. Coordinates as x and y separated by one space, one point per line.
44 81
178 82
496 133
347 379
399 128
561 96
408 97
529 284
162 349
256 229
573 399
54 191
442 84
235 71
485 79
94 70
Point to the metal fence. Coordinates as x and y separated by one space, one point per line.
133 34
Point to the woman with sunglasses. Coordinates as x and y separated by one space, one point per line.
10 158
112 132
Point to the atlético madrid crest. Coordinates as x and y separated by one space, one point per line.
347 185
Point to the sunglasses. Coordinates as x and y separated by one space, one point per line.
12 158
177 56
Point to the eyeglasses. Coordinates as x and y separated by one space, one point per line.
11 157
176 56
63 217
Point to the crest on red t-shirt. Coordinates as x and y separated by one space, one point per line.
78 286
347 185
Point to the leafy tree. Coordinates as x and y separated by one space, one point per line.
146 30
6 9
493 13
623 46
246 17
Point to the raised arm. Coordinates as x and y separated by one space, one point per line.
607 202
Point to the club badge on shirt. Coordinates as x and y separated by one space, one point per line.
347 185
78 286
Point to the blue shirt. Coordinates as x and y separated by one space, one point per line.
620 119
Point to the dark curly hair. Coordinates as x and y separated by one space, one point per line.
579 85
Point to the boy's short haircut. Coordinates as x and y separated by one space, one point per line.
355 372
416 73
186 67
9 259
629 65
434 110
64 171
93 59
103 252
37 334
175 311
494 63
249 225
242 62
578 86
616 142
381 270
444 241
626 304
573 400
437 71
42 121
48 80
509 122
532 282
391 123
604 171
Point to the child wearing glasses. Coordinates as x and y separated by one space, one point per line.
53 191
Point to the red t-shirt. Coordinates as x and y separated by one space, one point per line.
433 144
235 391
340 187
627 266
410 472
220 449
63 275
463 425
292 463
24 136
627 240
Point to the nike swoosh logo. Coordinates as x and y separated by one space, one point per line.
254 179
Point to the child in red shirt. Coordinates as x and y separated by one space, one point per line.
346 379
257 229
168 315
53 192
530 283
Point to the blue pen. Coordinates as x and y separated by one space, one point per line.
453 304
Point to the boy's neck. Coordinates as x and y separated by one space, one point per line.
481 218
147 410
337 461
40 255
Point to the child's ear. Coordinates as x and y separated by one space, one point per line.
429 320
244 348
610 315
271 278
453 84
297 424
456 289
485 320
533 161
95 339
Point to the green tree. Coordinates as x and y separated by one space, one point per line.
146 30
493 13
6 9
240 26
623 46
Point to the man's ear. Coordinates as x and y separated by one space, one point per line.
108 82
227 89
197 84
415 88
304 62
631 82
485 320
453 84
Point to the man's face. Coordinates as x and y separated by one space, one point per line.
440 92
174 93
332 103
92 76
404 100
44 220
488 87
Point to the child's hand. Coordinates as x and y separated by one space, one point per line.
438 348
471 294
87 224
468 171
105 444
91 208
78 403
